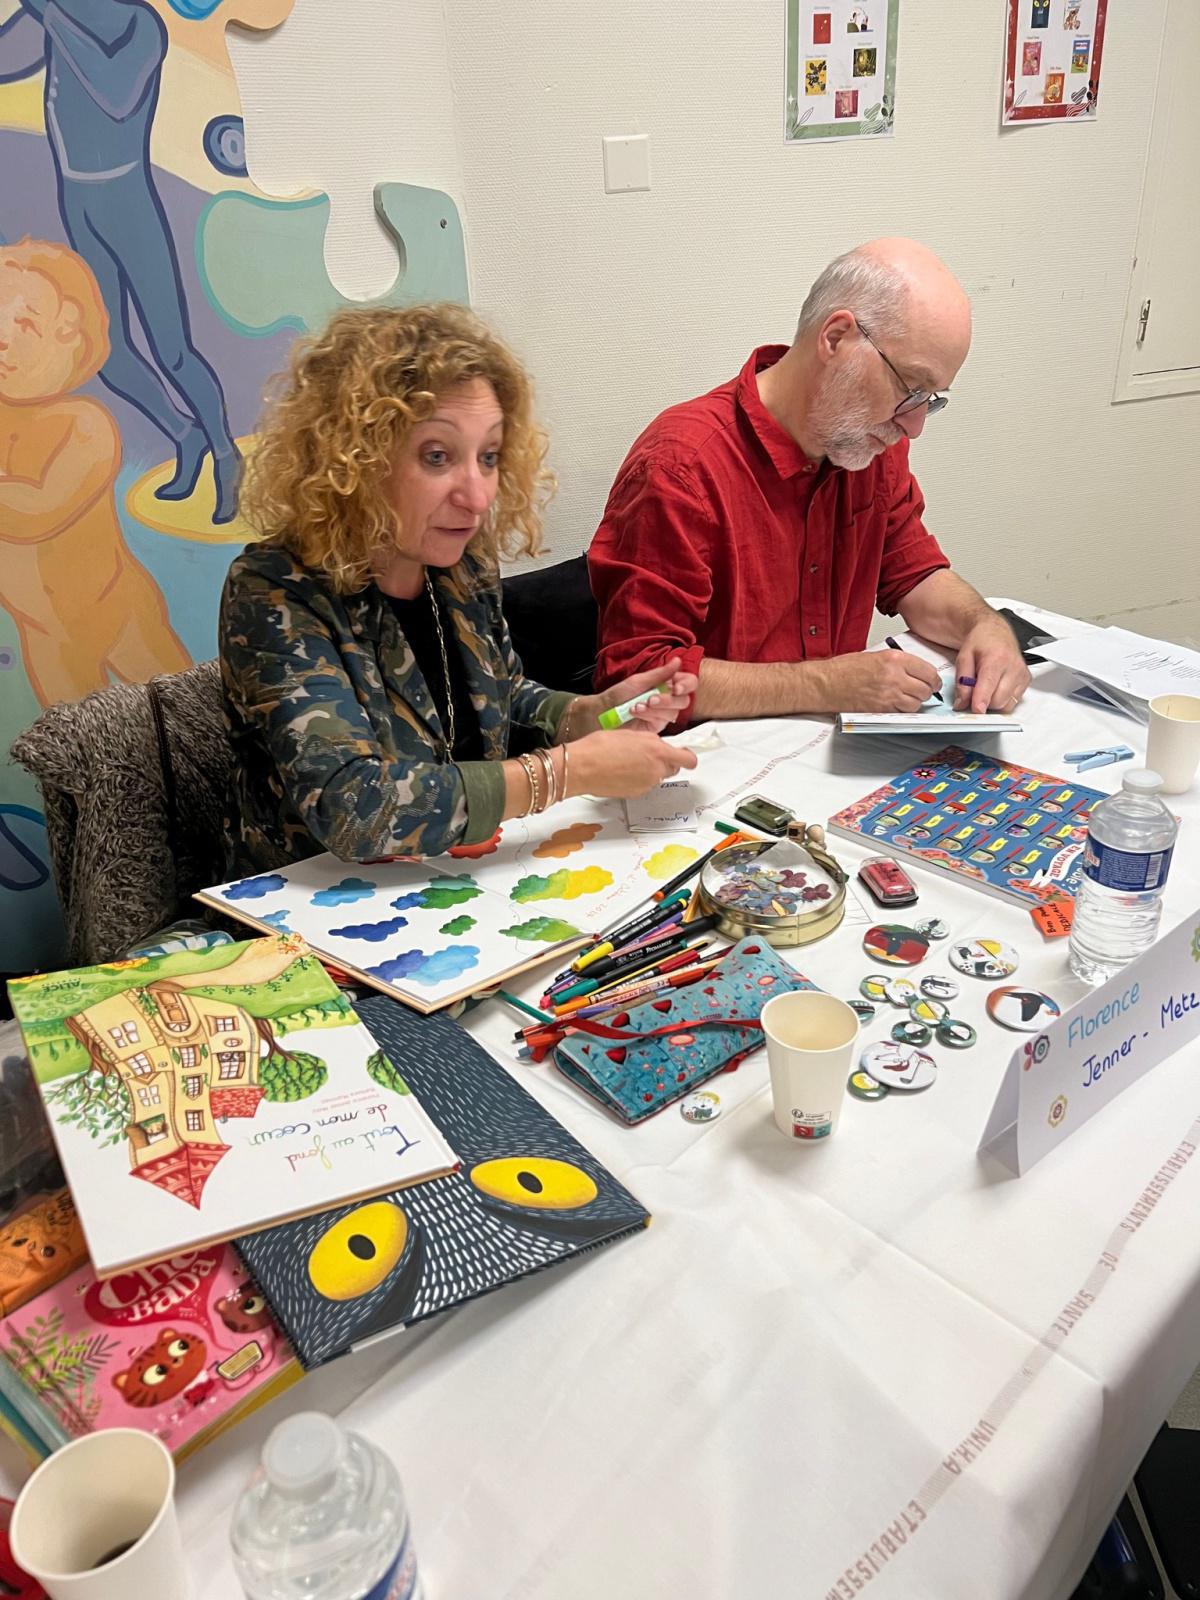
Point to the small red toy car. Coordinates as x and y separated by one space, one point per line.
887 881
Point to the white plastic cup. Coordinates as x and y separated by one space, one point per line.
97 1521
810 1051
1173 744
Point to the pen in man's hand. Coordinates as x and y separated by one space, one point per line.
894 644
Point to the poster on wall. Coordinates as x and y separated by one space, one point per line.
841 69
1052 59
147 292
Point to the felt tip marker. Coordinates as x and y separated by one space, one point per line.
618 716
894 644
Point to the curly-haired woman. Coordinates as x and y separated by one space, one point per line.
370 681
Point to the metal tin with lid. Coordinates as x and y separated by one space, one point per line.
788 892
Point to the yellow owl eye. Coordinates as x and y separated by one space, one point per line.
535 1181
357 1253
155 1375
253 1304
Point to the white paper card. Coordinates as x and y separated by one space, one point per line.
669 807
1057 1080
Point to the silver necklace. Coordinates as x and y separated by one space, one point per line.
441 637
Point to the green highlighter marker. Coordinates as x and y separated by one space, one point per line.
618 716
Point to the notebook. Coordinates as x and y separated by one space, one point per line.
208 1093
1008 830
183 1350
527 1196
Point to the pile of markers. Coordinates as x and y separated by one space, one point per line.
665 947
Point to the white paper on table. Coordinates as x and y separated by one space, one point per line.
1135 667
1057 1080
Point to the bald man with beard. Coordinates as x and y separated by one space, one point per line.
753 531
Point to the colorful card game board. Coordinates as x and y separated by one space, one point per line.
1010 831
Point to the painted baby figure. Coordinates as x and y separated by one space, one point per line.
86 610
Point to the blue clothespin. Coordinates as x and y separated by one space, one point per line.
1086 760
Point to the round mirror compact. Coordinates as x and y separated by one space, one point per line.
789 891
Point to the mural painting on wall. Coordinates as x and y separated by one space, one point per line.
147 292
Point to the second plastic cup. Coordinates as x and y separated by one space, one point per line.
1173 742
811 1039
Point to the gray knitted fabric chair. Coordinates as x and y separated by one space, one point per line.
135 783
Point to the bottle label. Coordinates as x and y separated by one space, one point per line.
1133 871
400 1581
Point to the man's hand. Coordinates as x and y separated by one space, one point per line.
990 655
876 680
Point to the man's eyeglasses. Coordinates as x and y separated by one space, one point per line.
914 399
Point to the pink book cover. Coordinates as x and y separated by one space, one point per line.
173 1348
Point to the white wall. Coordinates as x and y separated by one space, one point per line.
622 304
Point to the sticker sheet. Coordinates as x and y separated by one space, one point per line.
1052 62
841 68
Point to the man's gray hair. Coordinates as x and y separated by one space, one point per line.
862 284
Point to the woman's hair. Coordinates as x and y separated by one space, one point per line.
316 482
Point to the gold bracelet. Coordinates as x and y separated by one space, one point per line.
551 776
564 727
530 771
564 772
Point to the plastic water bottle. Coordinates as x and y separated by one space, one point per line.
323 1518
1130 839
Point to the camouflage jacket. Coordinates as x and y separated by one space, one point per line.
336 738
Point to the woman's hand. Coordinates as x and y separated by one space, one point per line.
658 710
627 761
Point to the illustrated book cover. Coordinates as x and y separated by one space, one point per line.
205 1094
527 1196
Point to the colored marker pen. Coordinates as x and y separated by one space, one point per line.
618 716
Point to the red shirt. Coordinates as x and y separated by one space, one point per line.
721 538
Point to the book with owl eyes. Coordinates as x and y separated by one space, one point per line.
526 1196
200 1095
183 1349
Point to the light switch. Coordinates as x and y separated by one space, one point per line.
626 162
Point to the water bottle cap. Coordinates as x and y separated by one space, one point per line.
1142 781
303 1452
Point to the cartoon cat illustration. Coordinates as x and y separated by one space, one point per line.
173 1365
245 1310
37 1248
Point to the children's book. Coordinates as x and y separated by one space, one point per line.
432 932
182 1349
208 1093
1008 830
40 1237
936 717
527 1195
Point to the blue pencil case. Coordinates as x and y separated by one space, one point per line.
643 1059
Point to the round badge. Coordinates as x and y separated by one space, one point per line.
901 992
930 1011
898 1066
897 945
955 1035
936 987
933 928
984 958
702 1105
874 987
914 1033
862 1009
864 1087
1022 1010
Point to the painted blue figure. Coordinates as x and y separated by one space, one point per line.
103 61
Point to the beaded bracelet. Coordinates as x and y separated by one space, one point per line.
529 767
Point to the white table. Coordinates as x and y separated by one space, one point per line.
822 1369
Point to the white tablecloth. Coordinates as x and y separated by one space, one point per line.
822 1369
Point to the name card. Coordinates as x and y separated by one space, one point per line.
671 806
1056 1080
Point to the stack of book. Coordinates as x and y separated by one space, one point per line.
257 1188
